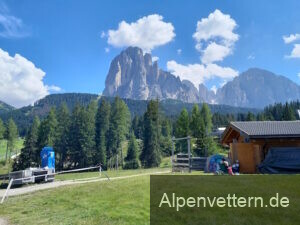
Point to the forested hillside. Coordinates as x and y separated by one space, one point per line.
171 108
4 108
95 132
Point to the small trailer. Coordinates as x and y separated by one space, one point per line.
36 175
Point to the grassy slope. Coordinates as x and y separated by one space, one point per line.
127 202
116 202
110 173
6 168
19 145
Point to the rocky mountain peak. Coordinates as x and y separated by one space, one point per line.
132 74
258 88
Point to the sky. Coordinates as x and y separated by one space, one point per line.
55 46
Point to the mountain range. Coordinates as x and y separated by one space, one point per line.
132 74
4 108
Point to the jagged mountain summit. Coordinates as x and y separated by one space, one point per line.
258 88
133 75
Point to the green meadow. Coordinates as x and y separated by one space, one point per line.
127 201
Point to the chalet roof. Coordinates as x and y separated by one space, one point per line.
264 129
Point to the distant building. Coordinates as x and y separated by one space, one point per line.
250 142
218 132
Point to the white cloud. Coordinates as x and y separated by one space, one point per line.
155 58
291 38
21 83
299 74
295 52
214 89
53 88
215 36
103 34
107 50
215 52
251 57
147 33
11 26
199 73
179 51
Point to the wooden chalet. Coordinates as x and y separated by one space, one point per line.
249 142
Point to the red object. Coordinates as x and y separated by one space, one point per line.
230 170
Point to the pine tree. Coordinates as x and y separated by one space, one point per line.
11 136
288 113
75 148
28 157
182 130
81 136
2 130
131 160
47 130
197 126
102 126
250 117
166 138
90 120
118 128
195 123
137 126
207 117
151 154
62 130
260 117
206 142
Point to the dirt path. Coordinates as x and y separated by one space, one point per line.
3 222
55 184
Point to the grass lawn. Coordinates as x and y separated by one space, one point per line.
116 202
127 201
5 168
110 173
19 145
264 186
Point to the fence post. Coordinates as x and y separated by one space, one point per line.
117 167
173 150
6 192
189 151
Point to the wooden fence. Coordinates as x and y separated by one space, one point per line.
184 163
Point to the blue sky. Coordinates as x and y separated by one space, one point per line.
63 41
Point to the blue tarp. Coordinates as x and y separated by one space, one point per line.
213 163
281 160
48 157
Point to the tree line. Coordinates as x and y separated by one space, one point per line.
276 112
9 132
198 125
99 132
96 134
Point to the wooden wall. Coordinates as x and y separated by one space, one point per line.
248 154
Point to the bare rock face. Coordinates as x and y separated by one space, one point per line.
133 75
258 88
206 95
127 76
